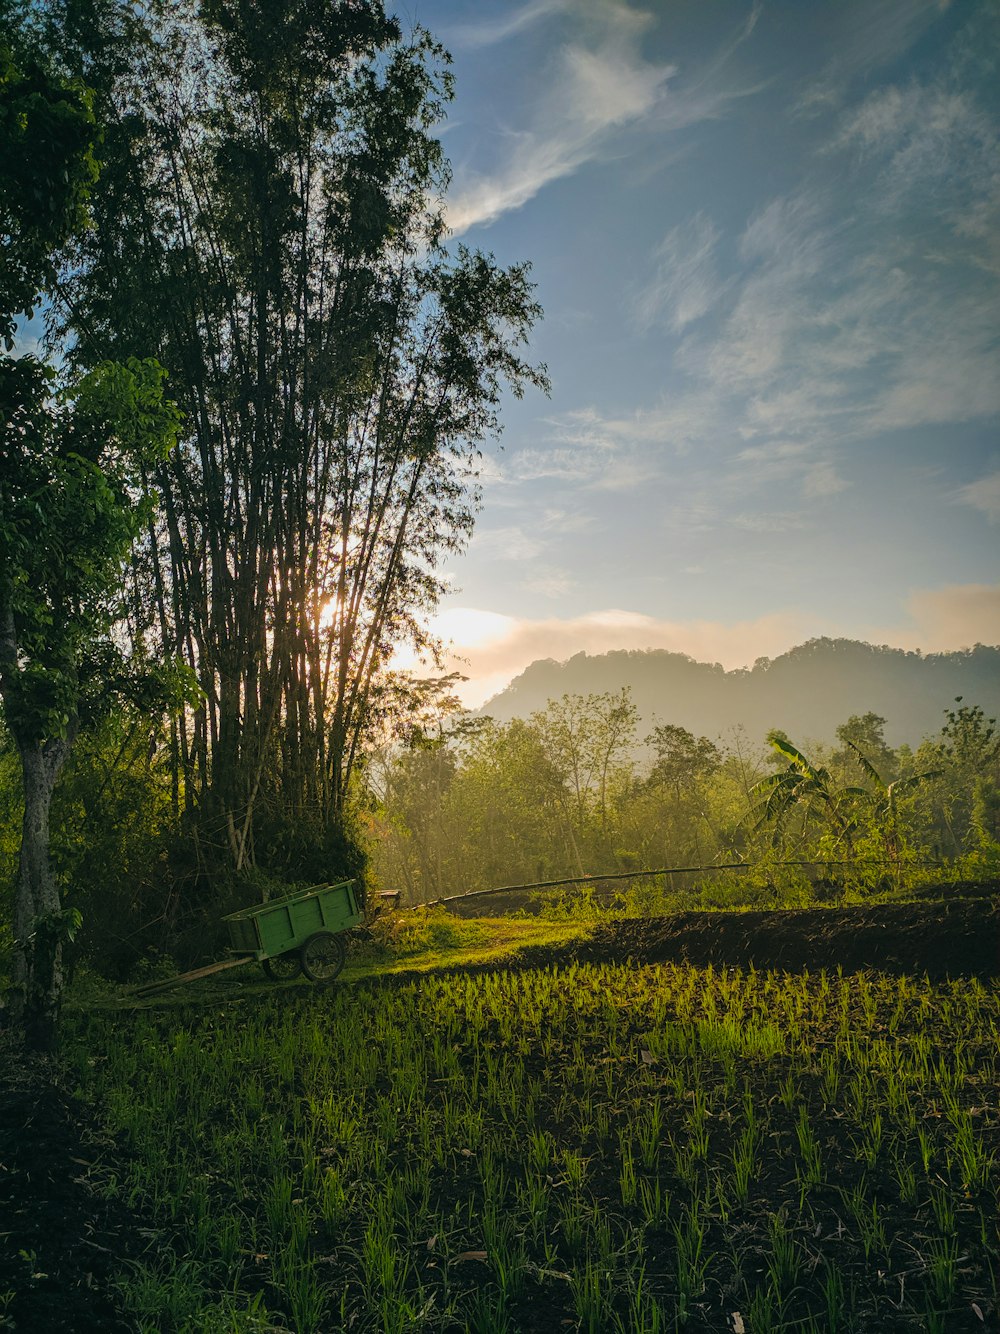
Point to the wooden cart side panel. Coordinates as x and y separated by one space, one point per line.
340 907
244 934
277 929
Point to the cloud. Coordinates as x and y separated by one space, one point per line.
598 85
509 543
554 584
577 448
869 36
490 31
838 323
592 93
685 285
762 522
822 479
582 450
775 455
982 495
957 616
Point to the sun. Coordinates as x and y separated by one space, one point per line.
467 627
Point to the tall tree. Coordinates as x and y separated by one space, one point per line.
970 751
864 735
71 501
269 226
586 737
884 805
72 494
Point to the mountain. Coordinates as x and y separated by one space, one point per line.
807 692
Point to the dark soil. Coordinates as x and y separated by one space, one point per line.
956 938
60 1240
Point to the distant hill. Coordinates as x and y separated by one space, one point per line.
807 692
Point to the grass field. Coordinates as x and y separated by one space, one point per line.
587 1147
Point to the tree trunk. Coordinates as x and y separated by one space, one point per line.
38 976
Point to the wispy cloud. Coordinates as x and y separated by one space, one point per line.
578 449
869 37
787 461
509 543
598 85
489 31
839 324
760 521
554 584
822 479
593 90
685 284
983 495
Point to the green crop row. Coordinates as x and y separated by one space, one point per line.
626 1149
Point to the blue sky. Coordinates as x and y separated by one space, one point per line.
767 241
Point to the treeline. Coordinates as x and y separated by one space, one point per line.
474 803
812 687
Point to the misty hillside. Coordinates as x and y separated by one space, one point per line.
807 691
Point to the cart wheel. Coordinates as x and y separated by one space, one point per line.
322 956
283 967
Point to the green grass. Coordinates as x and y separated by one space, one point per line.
621 1148
418 940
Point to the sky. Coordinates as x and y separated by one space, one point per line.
767 241
766 237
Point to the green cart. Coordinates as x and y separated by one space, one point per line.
298 934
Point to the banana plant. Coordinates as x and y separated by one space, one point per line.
804 787
882 800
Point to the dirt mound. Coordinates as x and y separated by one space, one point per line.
957 938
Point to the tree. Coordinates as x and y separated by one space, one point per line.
865 734
70 505
510 802
970 751
682 765
805 788
268 225
586 737
681 758
47 170
883 804
72 463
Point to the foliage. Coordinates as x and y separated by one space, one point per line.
71 501
493 804
47 170
865 735
681 758
268 224
804 788
70 504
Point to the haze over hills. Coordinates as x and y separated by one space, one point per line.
807 692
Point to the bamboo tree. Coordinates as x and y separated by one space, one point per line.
269 226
